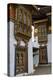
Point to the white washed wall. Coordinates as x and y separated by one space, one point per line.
30 56
36 57
49 48
12 43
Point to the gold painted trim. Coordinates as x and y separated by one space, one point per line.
43 20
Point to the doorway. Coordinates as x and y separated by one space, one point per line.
43 55
21 60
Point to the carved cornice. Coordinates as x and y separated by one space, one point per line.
22 36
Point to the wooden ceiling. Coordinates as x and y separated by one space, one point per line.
38 11
41 12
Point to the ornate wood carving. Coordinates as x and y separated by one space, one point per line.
22 32
41 31
23 24
43 55
21 60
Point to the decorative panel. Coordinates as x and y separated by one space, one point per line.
29 20
41 31
25 17
21 60
22 32
23 22
43 55
20 15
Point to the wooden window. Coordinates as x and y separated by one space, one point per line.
28 20
25 18
20 15
42 32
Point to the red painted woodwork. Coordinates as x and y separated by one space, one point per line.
11 12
